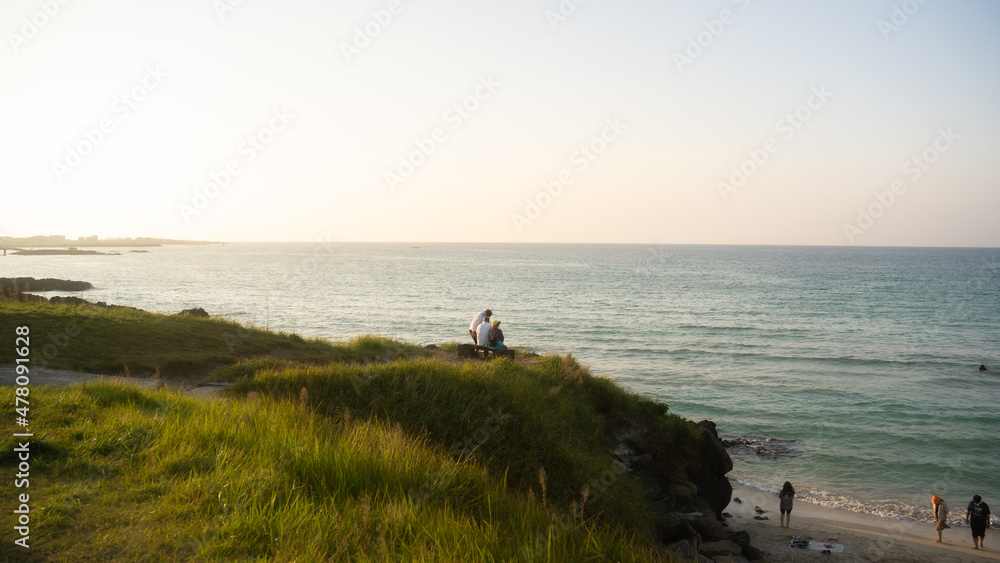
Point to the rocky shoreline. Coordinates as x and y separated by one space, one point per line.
9 286
691 519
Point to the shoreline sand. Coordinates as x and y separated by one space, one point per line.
865 537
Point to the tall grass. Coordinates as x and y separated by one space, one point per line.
120 340
516 420
120 474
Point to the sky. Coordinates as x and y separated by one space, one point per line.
858 122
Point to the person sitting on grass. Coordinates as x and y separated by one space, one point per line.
496 336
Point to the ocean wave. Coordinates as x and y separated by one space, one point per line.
882 508
846 360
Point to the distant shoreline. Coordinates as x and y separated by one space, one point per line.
61 252
59 242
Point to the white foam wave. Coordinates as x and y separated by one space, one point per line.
881 508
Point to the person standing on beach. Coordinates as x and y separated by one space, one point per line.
480 318
787 494
940 516
977 516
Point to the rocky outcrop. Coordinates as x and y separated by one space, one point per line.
710 477
690 511
197 312
17 285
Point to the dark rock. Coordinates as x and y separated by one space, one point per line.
431 347
721 547
69 300
685 552
198 312
742 538
760 446
709 528
710 476
682 493
679 530
751 553
8 285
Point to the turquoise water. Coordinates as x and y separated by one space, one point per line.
864 359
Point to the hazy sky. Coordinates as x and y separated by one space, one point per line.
867 122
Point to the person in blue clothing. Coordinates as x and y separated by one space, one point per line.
496 336
977 516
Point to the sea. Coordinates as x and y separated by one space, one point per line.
850 372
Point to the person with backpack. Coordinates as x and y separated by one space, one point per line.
977 516
787 494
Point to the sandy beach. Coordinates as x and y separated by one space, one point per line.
864 537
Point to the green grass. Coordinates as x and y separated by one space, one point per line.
120 474
124 341
364 451
556 417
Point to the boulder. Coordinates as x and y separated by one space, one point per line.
682 494
711 530
45 284
683 551
677 531
197 312
721 547
69 300
710 476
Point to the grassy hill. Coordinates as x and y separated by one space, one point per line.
126 341
368 451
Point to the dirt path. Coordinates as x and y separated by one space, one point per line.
58 377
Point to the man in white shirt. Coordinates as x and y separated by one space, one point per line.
484 333
480 319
